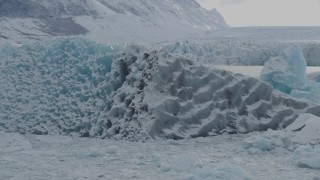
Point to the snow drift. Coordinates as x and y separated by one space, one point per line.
71 90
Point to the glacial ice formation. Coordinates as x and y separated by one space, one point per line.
239 52
68 88
314 76
54 87
309 92
287 73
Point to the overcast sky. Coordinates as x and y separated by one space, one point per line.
267 12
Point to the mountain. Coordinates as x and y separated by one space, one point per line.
112 21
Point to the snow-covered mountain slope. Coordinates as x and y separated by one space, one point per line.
109 21
71 87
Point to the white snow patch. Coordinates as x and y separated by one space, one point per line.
307 127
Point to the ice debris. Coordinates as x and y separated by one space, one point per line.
268 141
112 149
312 163
190 167
307 156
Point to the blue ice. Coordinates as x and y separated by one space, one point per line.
287 73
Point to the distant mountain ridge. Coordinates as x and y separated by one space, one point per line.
111 21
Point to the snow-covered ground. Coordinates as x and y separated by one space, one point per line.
263 156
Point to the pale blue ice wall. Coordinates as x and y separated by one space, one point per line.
240 52
64 80
287 73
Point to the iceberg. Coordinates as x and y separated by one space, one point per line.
81 88
287 73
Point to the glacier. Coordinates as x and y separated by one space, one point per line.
239 52
287 73
57 83
81 88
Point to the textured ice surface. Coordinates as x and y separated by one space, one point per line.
54 87
219 158
286 72
313 163
307 127
240 52
307 157
69 88
112 149
309 92
268 141
175 97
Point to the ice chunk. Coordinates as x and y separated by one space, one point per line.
234 172
309 92
312 163
160 162
188 166
112 149
185 162
307 128
55 84
267 141
257 142
92 152
286 72
307 156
